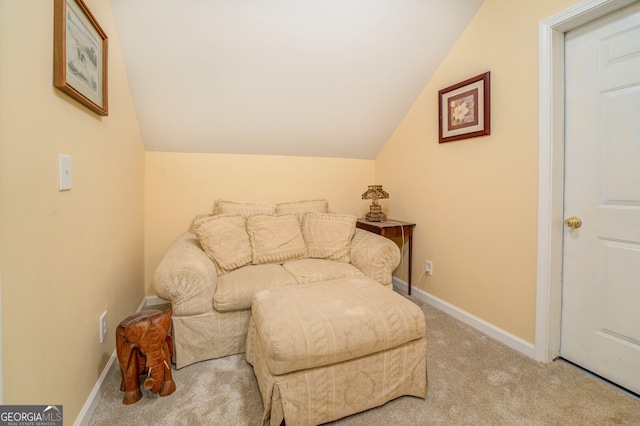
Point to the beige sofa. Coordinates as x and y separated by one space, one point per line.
211 272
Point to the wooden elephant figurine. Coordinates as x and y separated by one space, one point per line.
144 346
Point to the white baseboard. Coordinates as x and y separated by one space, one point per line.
149 301
96 394
502 336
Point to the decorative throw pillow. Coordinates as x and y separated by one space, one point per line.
197 221
275 238
328 236
299 208
225 240
243 209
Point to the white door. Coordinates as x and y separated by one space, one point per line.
601 259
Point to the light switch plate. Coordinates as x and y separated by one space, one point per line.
64 171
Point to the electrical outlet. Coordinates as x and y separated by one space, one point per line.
428 267
103 327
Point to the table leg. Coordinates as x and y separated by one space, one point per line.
410 263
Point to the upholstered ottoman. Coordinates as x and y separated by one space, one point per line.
327 350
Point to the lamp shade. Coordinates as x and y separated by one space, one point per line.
375 192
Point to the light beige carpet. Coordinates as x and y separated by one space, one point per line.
473 380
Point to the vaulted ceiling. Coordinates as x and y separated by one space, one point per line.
324 78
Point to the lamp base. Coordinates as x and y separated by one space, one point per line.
373 216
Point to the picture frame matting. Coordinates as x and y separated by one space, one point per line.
464 109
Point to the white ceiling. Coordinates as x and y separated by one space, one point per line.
324 78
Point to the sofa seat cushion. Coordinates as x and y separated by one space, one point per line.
313 270
308 326
235 289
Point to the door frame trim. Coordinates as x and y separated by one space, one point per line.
551 167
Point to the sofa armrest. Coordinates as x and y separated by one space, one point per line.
376 256
186 277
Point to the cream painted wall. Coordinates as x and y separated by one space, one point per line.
180 186
65 256
475 200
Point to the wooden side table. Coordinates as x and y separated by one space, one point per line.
392 228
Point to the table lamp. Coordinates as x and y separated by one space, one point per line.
375 193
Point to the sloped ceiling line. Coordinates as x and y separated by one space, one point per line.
329 78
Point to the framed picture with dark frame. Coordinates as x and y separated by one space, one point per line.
80 55
465 109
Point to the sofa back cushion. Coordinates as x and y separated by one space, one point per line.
225 240
299 208
275 238
243 209
328 236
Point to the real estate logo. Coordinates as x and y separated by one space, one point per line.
30 415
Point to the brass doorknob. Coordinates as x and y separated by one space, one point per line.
573 222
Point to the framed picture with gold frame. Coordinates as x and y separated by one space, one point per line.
465 109
80 55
